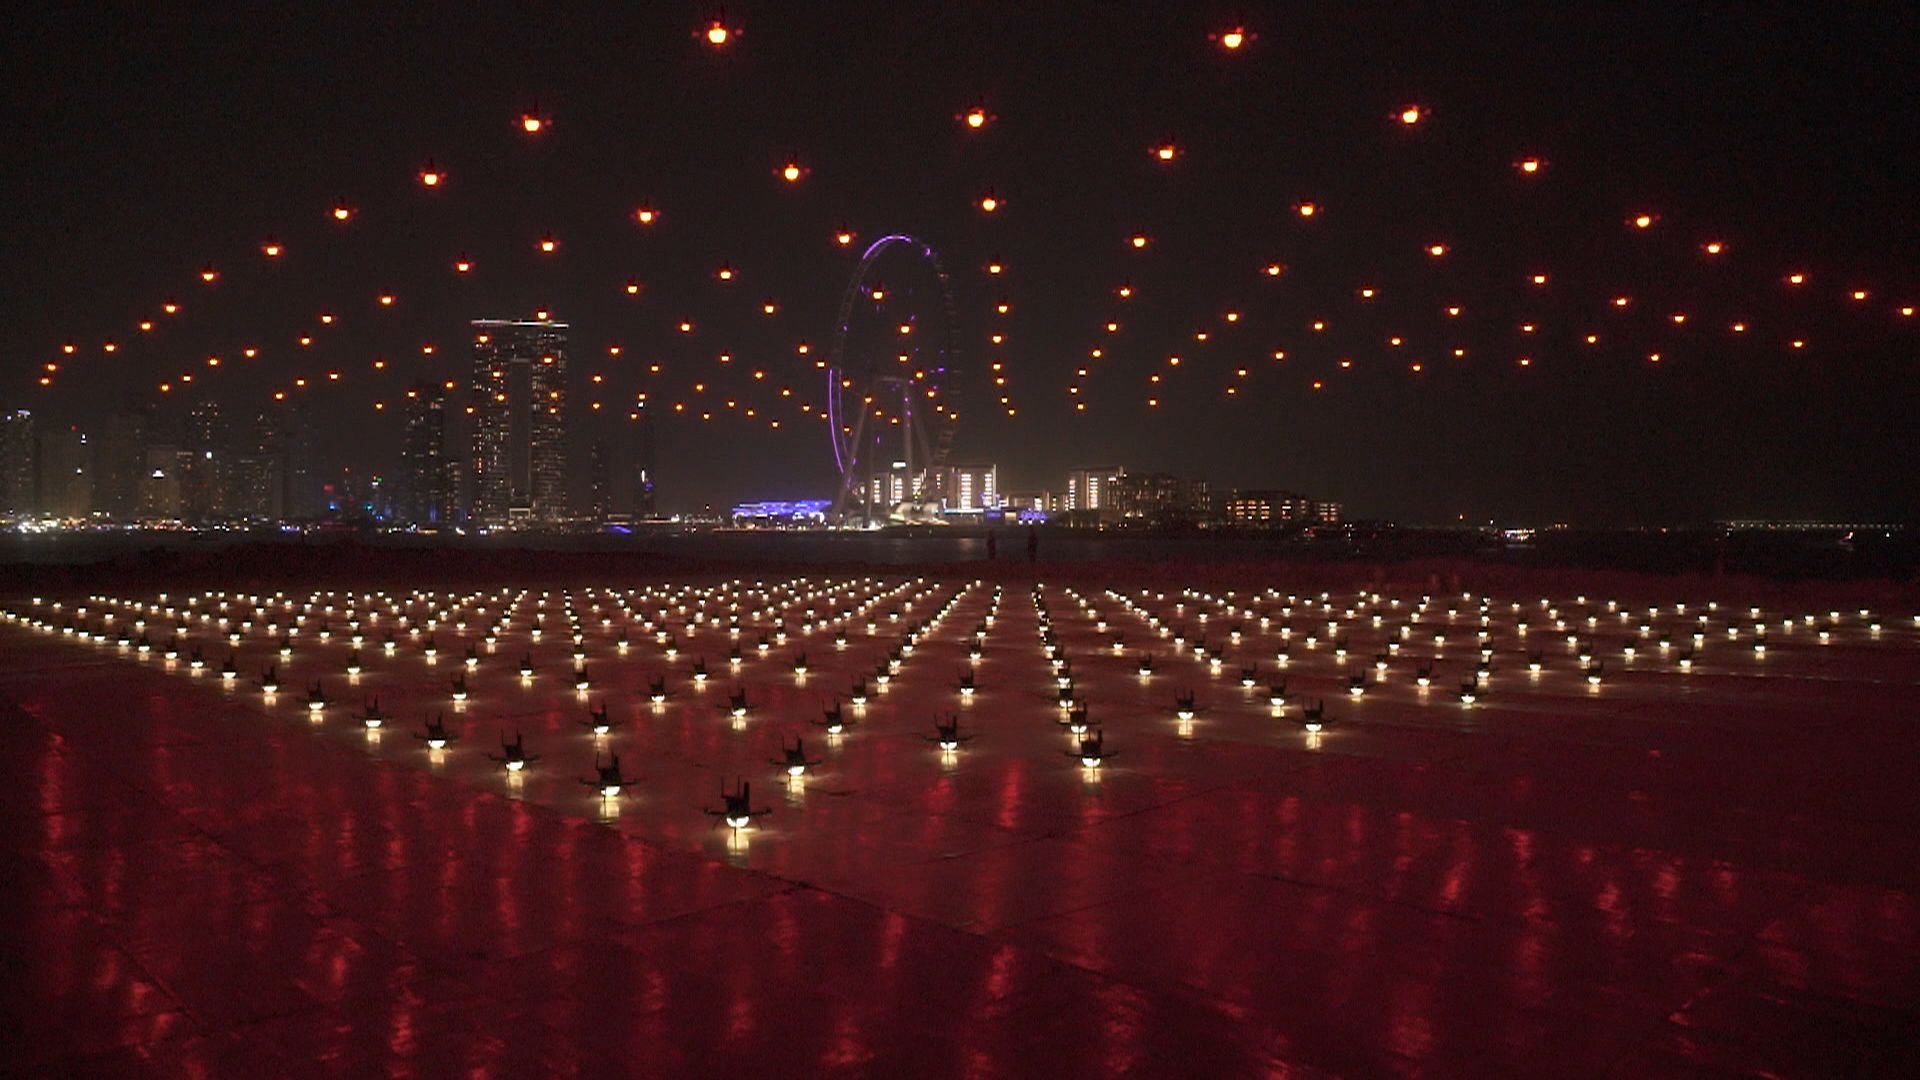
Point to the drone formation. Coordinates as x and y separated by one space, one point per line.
753 356
717 683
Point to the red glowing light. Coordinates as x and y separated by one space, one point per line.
1232 39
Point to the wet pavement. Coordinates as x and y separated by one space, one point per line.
1700 859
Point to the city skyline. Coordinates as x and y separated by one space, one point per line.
486 472
518 404
1439 274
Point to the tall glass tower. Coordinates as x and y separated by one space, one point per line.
519 458
426 497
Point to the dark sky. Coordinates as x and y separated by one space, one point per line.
140 149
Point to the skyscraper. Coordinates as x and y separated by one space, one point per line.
19 454
118 454
258 479
600 480
66 473
643 477
203 481
519 460
283 442
160 484
547 439
426 497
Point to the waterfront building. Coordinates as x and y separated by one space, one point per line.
518 460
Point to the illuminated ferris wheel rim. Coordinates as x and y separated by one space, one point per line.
843 451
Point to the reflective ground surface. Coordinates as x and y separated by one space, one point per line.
1674 870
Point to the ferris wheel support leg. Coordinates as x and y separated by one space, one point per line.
850 474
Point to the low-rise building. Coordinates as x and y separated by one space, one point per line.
1273 509
1144 498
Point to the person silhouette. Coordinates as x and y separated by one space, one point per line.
1033 544
993 546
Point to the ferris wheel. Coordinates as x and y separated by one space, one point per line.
892 391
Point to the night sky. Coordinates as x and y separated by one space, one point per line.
140 150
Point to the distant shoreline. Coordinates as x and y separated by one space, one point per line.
1881 572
